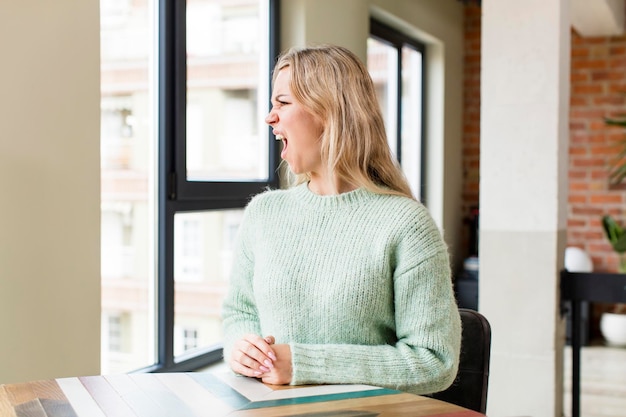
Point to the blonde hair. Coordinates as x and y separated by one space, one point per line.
335 86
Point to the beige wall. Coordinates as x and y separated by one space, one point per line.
438 24
50 184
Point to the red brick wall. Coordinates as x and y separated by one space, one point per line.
598 90
471 119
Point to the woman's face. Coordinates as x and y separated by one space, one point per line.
299 130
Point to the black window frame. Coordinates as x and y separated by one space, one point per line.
397 39
175 194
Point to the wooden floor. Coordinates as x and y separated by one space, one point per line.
603 381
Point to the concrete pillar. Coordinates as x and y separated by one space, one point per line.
523 196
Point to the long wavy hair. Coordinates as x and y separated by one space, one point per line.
334 85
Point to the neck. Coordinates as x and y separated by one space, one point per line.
329 186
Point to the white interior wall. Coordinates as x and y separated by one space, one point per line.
50 182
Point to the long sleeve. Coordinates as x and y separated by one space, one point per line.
422 360
240 315
358 285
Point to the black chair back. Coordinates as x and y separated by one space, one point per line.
469 389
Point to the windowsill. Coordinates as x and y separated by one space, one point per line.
215 367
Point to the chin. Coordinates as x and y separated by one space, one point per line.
293 169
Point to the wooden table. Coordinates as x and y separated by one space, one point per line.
199 394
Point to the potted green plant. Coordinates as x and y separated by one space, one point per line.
617 172
613 322
616 235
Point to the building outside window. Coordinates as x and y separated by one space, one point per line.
115 333
166 254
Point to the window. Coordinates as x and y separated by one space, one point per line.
128 170
115 333
185 89
190 338
396 63
186 340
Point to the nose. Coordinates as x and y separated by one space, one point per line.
271 117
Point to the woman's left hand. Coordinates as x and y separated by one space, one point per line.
282 372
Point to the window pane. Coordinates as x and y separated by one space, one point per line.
226 90
382 64
411 132
127 172
203 254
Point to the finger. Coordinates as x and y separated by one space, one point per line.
241 369
274 378
242 363
270 340
249 352
250 357
263 346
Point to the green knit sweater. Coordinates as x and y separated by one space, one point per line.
358 284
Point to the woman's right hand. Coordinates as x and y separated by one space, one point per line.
253 355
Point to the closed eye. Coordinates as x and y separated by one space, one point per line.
280 100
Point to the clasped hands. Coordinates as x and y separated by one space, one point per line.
259 357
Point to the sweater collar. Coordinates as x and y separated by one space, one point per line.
335 201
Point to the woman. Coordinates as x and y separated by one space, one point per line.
343 278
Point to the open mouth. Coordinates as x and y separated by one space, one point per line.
284 140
